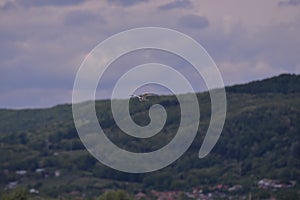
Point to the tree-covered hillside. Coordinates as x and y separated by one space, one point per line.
40 148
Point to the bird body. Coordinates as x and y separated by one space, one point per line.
143 97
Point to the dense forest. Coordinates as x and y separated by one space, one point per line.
40 150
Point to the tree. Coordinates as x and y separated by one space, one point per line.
115 195
288 194
17 194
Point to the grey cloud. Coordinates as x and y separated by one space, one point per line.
194 21
289 3
50 61
176 4
34 98
6 44
126 2
83 17
52 2
42 3
7 50
276 45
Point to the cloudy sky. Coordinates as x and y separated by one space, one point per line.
44 42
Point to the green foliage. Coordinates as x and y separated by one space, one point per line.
115 195
285 84
16 194
262 194
260 139
288 194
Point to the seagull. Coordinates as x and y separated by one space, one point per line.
143 97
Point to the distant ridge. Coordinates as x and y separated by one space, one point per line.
284 83
260 141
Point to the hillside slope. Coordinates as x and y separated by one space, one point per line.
260 139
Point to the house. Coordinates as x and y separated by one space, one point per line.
140 195
21 172
273 184
39 170
12 185
235 188
33 191
57 173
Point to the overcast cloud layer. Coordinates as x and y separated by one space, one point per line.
43 42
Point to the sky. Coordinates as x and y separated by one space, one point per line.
44 42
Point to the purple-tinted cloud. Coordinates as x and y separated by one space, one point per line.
79 18
126 2
289 3
38 3
39 56
176 4
7 48
194 21
265 45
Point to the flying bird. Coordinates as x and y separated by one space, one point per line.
143 97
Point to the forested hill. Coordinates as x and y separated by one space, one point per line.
284 83
260 139
30 119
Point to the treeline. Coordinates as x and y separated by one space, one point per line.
260 139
